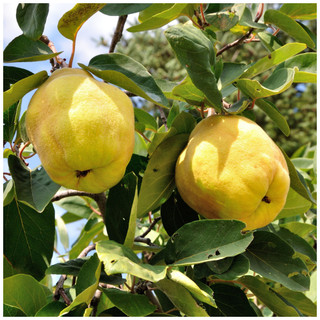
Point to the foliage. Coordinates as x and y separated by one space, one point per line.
150 254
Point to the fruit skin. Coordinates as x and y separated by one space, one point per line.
82 130
231 169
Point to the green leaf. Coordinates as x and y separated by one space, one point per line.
22 130
127 73
295 205
73 267
63 233
11 121
196 54
307 65
288 25
301 229
146 119
271 257
232 301
9 311
133 305
279 81
120 209
92 228
25 293
33 188
158 180
52 309
120 259
231 72
120 9
8 192
267 296
297 182
164 17
181 298
273 59
212 240
191 286
239 106
269 41
28 238
297 243
274 114
296 11
31 18
13 74
22 87
222 21
70 23
299 300
175 213
23 49
87 284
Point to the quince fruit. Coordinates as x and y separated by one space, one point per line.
82 130
231 169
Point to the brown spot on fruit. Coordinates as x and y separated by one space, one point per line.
82 174
266 199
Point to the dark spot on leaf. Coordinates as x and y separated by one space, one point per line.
210 256
234 83
113 261
257 89
269 56
82 174
155 170
174 236
217 253
266 199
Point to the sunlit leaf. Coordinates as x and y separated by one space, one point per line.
296 11
119 9
22 87
288 25
127 73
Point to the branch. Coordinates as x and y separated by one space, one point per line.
118 32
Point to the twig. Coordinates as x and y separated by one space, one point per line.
154 222
163 117
86 250
118 32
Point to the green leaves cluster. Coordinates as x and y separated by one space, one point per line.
184 265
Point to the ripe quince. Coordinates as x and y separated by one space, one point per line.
231 169
82 130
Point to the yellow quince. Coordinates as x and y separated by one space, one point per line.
82 130
231 169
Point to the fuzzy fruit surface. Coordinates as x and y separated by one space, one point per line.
82 130
231 169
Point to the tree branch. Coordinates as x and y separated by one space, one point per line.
118 32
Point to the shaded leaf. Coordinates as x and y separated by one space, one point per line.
295 205
271 257
52 309
288 25
126 73
212 240
120 259
231 72
9 311
159 180
196 54
269 41
87 284
70 23
23 292
33 187
163 17
296 11
299 300
23 49
239 106
267 296
8 192
11 121
120 209
181 298
274 114
31 18
222 21
119 9
28 238
273 59
22 87
133 305
13 74
232 301
175 213
146 119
